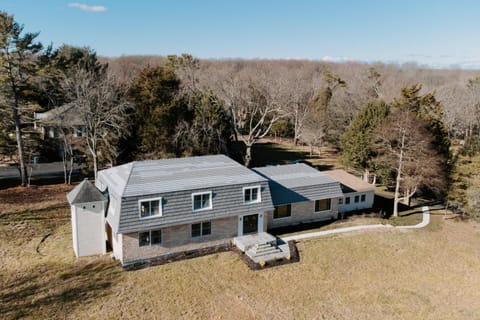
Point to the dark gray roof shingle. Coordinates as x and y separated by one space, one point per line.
298 182
85 192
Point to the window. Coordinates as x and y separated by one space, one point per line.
347 200
340 201
282 211
202 201
201 229
322 205
149 238
150 207
251 194
356 199
362 198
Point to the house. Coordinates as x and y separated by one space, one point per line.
300 194
357 193
159 208
67 117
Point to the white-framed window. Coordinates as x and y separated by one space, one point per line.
201 229
283 211
150 207
322 205
251 194
149 238
356 199
347 200
340 201
362 198
202 201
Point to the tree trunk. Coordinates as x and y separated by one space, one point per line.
95 165
71 170
248 155
20 148
366 175
396 199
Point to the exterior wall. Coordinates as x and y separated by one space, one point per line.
90 228
367 204
74 229
177 239
227 201
117 246
303 212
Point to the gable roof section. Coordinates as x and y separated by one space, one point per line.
349 182
85 192
298 182
66 114
141 178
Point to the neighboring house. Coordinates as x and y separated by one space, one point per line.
158 208
357 194
300 194
67 117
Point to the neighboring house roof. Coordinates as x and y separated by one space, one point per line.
350 183
64 115
298 182
140 178
85 192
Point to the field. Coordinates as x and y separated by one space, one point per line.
384 274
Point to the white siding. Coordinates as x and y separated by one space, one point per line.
367 204
90 228
117 245
74 230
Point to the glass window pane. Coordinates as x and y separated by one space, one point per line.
144 209
247 195
206 200
254 194
144 239
196 230
206 228
356 199
155 207
347 200
156 236
282 212
197 202
362 198
322 205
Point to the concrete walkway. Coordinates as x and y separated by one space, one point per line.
425 222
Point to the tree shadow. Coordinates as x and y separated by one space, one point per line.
48 292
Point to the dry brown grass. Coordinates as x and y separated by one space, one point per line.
431 273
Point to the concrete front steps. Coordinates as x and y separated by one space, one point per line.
262 247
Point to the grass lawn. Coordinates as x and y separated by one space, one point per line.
431 273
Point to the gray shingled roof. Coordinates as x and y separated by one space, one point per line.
179 174
85 192
66 114
298 182
349 182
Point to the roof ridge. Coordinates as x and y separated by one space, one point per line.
129 175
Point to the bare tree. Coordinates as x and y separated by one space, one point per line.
404 148
102 106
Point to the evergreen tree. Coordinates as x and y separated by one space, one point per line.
356 140
18 66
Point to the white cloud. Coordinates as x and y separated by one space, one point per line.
334 59
88 8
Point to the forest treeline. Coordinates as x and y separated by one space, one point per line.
404 124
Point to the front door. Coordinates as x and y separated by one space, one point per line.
250 224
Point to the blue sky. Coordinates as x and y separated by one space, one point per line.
437 33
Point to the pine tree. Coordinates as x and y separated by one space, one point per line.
18 65
356 140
